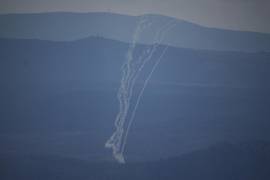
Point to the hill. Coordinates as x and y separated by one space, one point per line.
74 26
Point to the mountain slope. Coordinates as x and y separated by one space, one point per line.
60 97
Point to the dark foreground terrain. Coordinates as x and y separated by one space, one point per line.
245 161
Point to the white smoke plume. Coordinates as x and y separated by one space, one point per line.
131 69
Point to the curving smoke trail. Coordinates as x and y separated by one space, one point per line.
130 72
124 95
144 86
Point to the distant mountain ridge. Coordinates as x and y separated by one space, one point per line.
74 26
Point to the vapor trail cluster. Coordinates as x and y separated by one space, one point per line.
131 69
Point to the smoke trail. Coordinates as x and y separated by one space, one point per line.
124 96
130 72
143 88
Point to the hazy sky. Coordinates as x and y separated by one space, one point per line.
253 15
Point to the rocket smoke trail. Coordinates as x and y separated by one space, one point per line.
130 71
